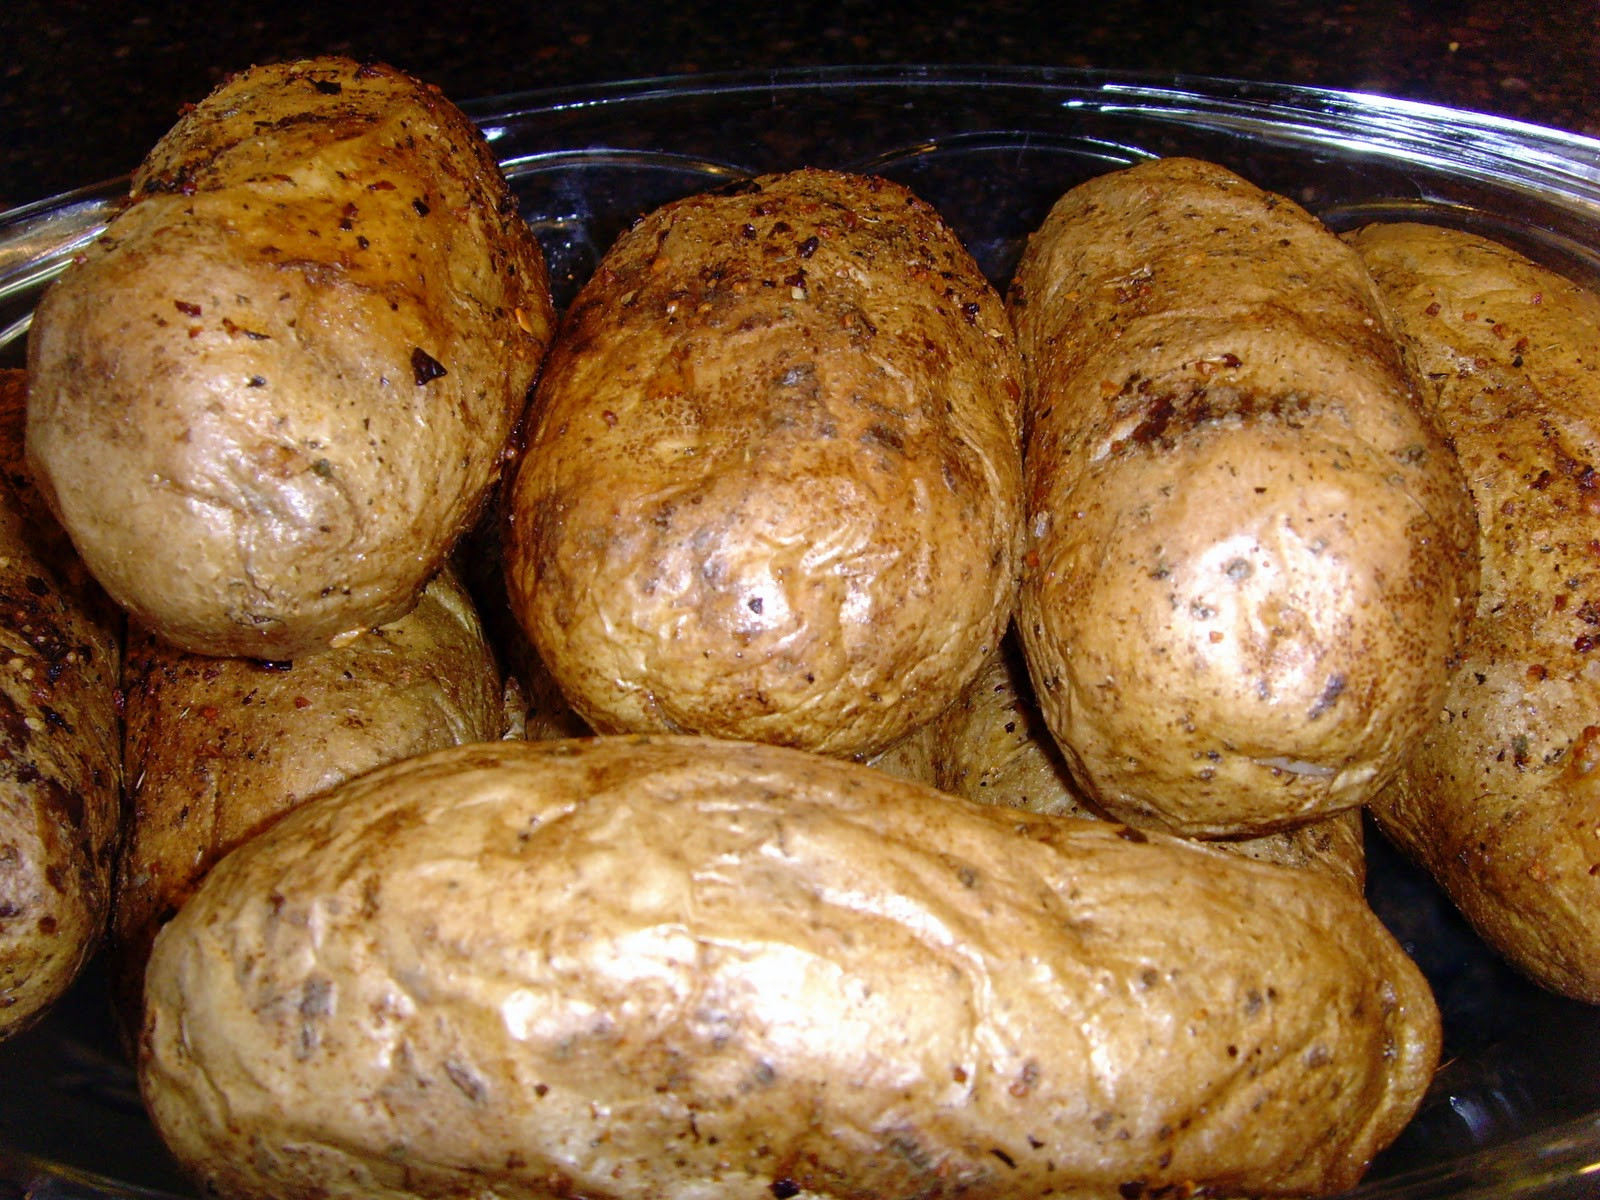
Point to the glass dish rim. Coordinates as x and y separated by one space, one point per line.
1206 98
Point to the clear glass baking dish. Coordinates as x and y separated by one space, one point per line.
1515 1108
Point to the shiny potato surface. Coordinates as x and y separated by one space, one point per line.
269 399
216 749
1501 802
1250 554
60 750
771 485
638 967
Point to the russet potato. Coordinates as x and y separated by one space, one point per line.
668 966
772 478
60 747
1501 801
216 749
1250 553
271 397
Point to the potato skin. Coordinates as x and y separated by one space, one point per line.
1250 554
60 743
1501 801
992 746
219 748
270 398
772 481
632 967
909 758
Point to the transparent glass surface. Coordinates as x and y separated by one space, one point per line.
1515 1108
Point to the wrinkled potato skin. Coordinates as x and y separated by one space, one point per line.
772 483
1250 553
992 746
237 408
1501 801
217 749
60 747
642 967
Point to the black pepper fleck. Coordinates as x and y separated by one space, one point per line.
425 368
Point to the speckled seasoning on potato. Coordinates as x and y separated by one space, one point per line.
269 399
216 749
993 746
672 966
772 481
1250 553
60 749
1501 801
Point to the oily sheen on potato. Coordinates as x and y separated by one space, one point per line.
1250 554
216 749
674 966
772 483
1501 801
269 399
60 755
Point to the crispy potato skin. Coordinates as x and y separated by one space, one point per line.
60 743
270 398
1250 554
633 967
217 749
992 746
1501 801
772 483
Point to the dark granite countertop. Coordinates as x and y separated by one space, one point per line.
88 87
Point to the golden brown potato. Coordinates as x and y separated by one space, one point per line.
60 759
771 487
638 967
909 758
270 398
1250 553
217 749
1501 802
993 746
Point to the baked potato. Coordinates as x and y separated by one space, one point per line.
909 758
217 749
674 966
771 486
1501 800
1251 556
992 746
60 747
268 401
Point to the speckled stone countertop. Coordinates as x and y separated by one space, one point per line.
85 88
